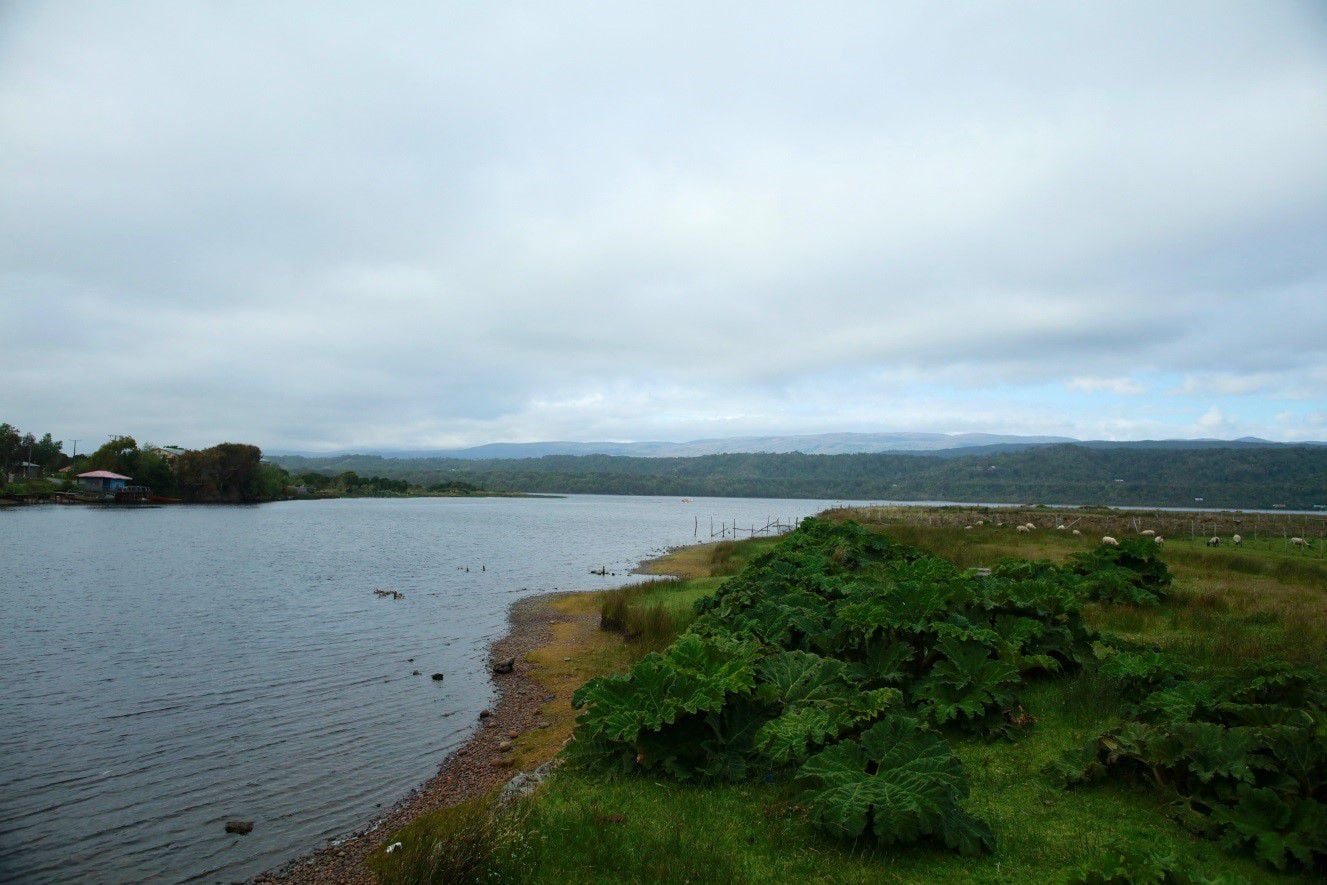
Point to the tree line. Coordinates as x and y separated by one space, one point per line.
1292 476
225 473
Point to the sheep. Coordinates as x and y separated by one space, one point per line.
1077 533
1159 541
967 528
1030 525
394 847
1214 542
1299 542
1061 527
1109 541
981 522
1148 533
1022 528
1236 540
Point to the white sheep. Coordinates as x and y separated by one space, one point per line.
394 847
1030 525
967 528
1158 540
1077 532
1299 542
1022 528
1061 527
1108 540
981 522
1148 533
1213 541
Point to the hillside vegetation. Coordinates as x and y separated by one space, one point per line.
1250 477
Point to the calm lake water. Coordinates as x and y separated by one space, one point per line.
167 669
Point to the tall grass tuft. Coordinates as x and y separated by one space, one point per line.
478 840
722 560
613 610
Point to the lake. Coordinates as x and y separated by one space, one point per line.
167 669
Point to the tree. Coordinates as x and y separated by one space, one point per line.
119 455
229 473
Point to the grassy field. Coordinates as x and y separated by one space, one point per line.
1228 606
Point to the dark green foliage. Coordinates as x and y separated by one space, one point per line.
228 473
818 700
1128 572
821 641
966 685
901 782
1244 755
1145 868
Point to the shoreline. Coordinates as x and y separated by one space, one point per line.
479 765
532 714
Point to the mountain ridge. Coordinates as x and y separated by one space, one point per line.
943 444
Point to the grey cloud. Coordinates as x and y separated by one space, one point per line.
458 223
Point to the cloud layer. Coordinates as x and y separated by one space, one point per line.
435 226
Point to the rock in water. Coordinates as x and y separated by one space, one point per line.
437 677
505 666
239 827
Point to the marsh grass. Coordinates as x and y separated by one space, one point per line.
475 841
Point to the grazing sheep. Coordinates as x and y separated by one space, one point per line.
1022 528
981 522
1148 532
1299 542
1214 542
1159 540
1061 527
1077 532
1236 540
1030 525
394 847
1108 540
967 528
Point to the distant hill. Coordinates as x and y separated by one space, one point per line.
942 444
1183 473
809 444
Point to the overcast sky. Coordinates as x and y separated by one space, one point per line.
330 226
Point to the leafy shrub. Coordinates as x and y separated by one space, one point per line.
834 641
900 781
1145 868
1243 755
1131 572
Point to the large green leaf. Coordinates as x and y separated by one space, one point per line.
900 781
693 675
818 701
966 684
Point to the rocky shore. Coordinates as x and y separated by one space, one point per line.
484 763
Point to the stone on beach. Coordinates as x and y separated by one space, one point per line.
505 666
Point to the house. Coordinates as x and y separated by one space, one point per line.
102 482
170 453
26 469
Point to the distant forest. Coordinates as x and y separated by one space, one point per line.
1239 477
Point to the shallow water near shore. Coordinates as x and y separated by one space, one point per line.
168 669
